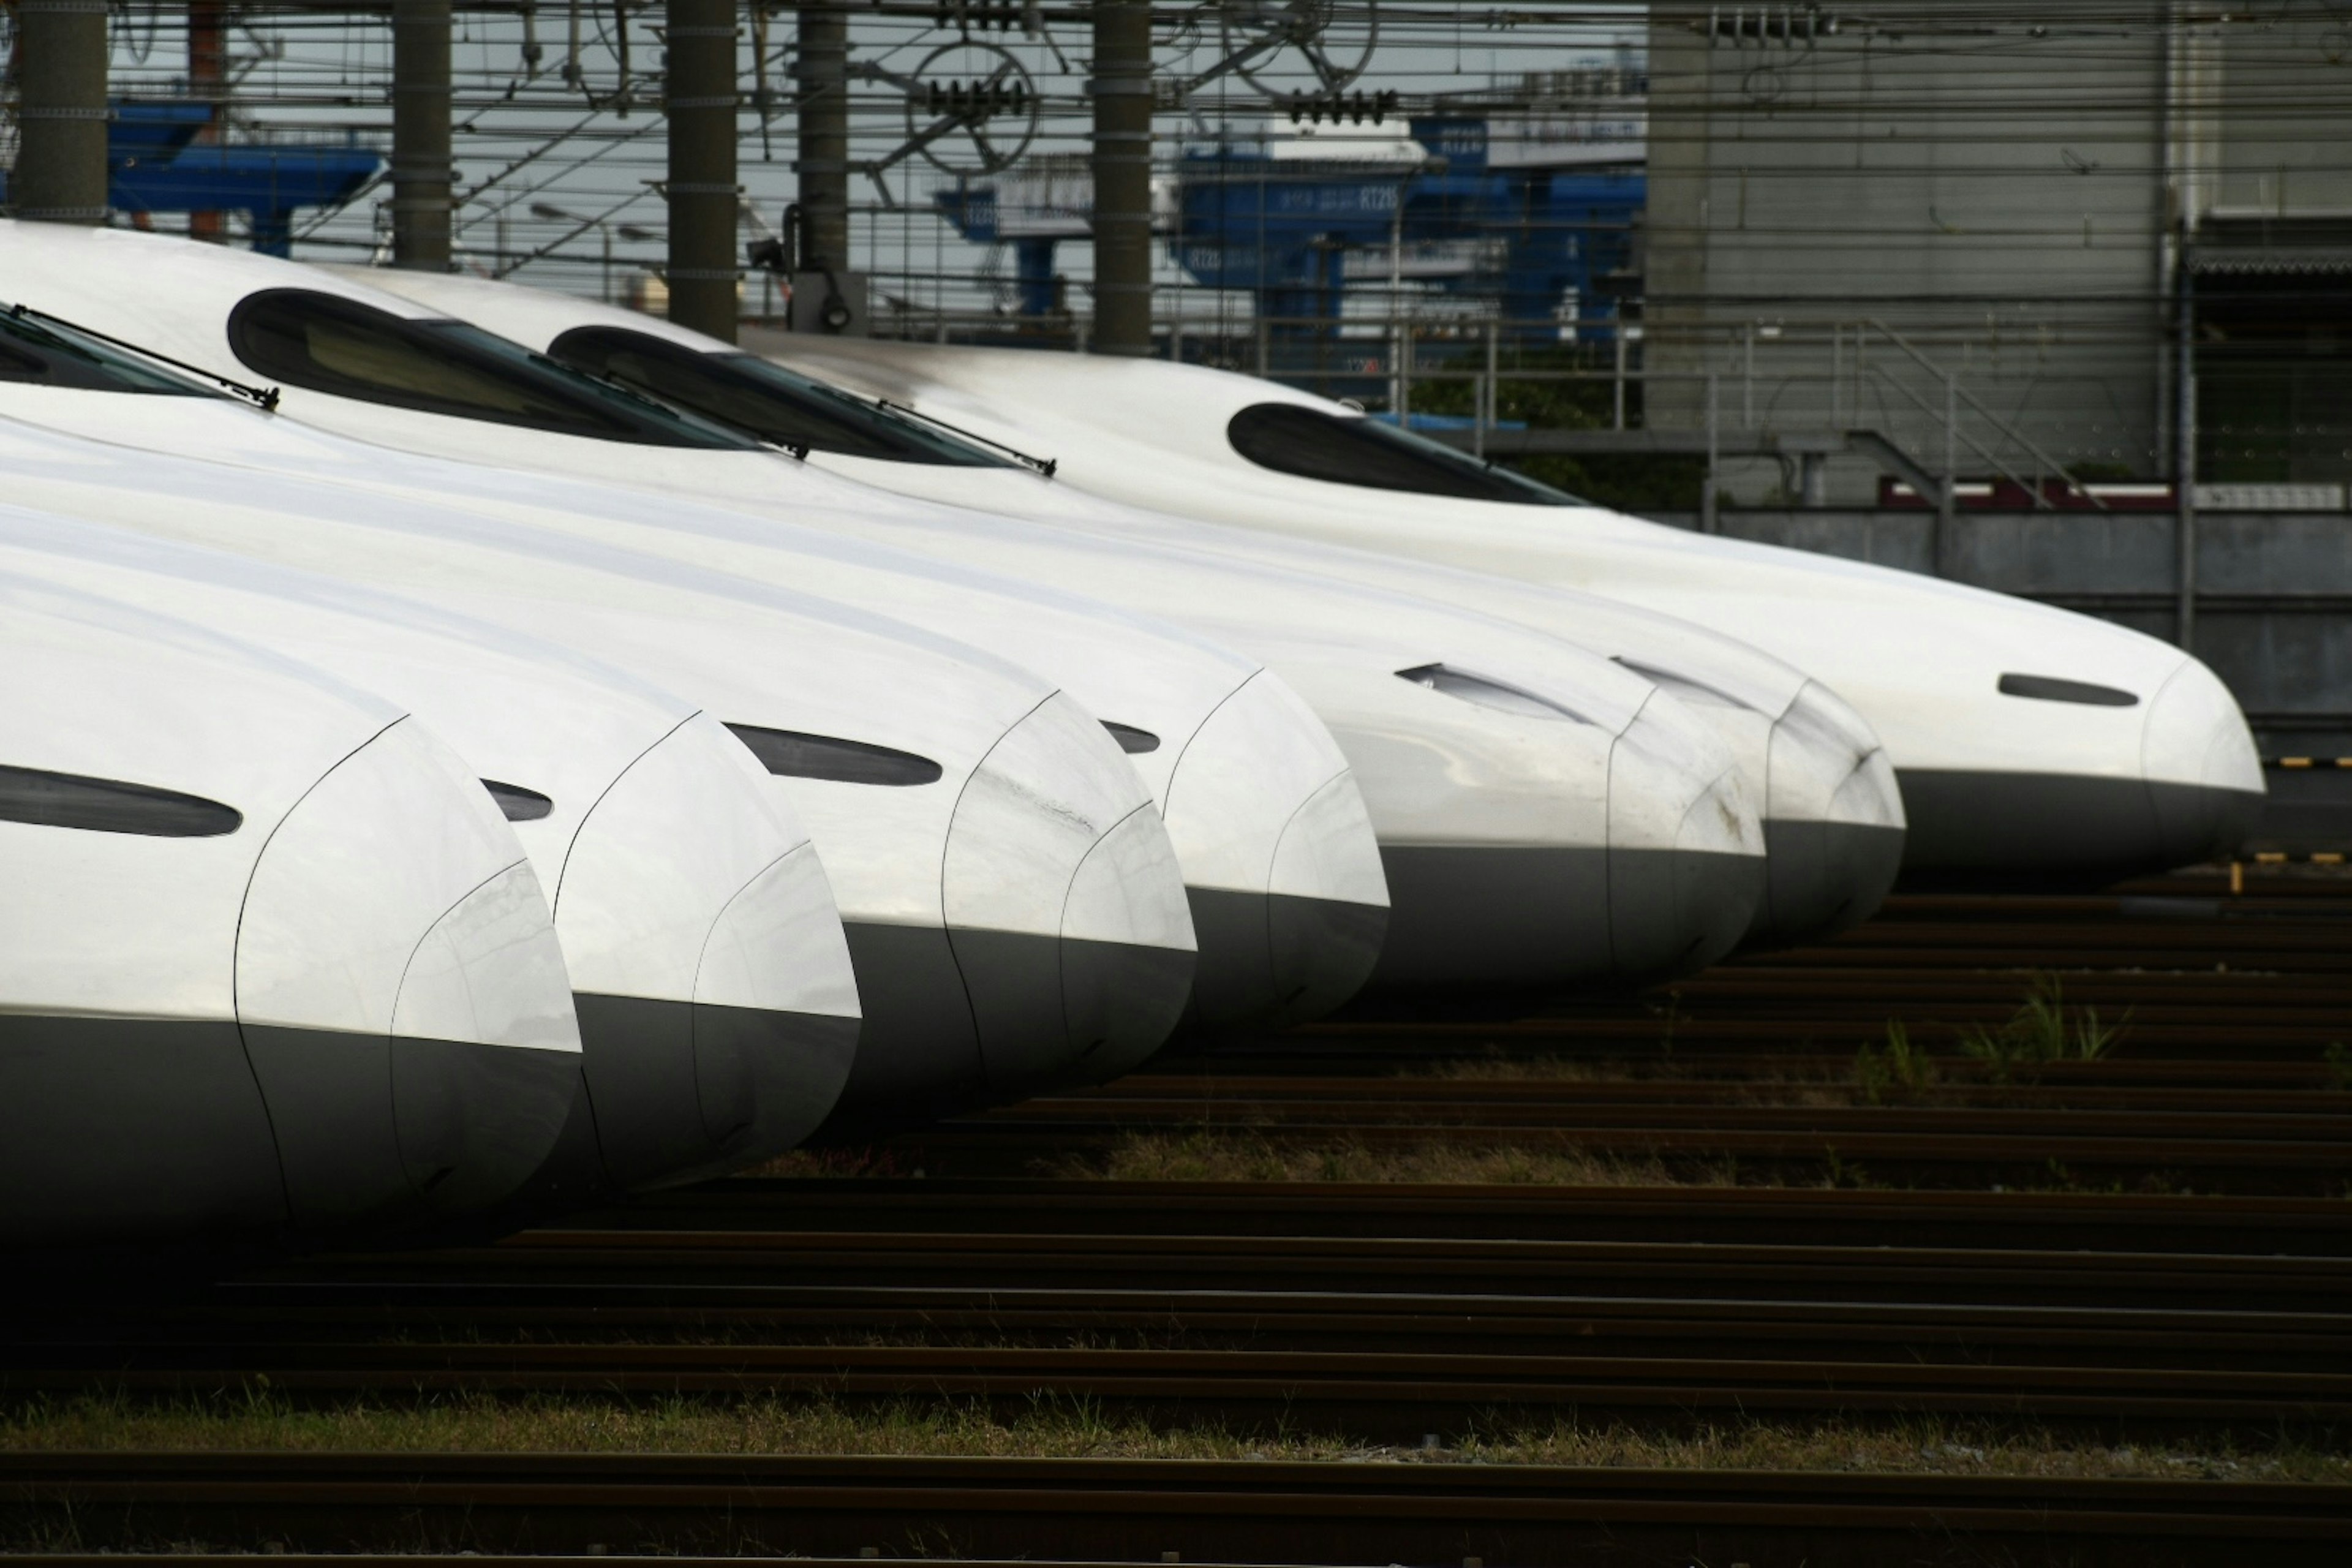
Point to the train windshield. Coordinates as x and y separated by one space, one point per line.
763 399
343 347
46 354
1343 449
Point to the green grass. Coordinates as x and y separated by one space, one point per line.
2042 1030
1209 1155
1063 1428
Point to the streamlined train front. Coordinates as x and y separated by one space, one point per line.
1832 814
2032 745
1280 862
1522 903
717 1013
271 960
949 793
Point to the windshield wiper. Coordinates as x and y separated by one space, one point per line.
798 450
1044 466
262 398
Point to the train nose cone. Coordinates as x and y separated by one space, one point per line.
401 993
1281 866
473 1123
2204 776
1833 827
718 1011
1064 907
1686 847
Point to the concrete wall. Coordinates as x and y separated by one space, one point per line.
1997 198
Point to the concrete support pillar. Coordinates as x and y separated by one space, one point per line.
60 174
821 77
699 100
420 159
1122 170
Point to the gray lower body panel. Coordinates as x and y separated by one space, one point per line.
2058 830
1557 917
129 1131
1822 878
681 1091
962 1019
1054 1012
918 1054
123 1130
1671 912
1270 960
1497 916
383 1133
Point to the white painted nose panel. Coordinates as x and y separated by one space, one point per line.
1243 782
2197 735
369 861
1827 765
671 844
490 970
1129 889
1036 804
1327 849
778 945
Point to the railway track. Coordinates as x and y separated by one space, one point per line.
1200 1511
2183 1267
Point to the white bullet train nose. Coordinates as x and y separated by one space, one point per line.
1834 821
2170 778
1147 678
716 1010
1834 844
1687 866
1256 612
1064 907
2026 739
1546 826
1281 863
1043 941
1284 934
868 730
269 954
352 984
712 980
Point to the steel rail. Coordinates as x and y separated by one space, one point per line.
2257 1338
687 1259
2093 1222
1122 1509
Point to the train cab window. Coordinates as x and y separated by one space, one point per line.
1291 438
788 753
46 799
340 346
48 355
517 804
761 398
2055 688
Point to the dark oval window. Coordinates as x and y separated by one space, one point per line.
2051 689
791 755
1133 740
342 347
1291 438
761 398
54 356
518 803
110 806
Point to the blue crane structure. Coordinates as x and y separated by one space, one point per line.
1529 234
153 165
